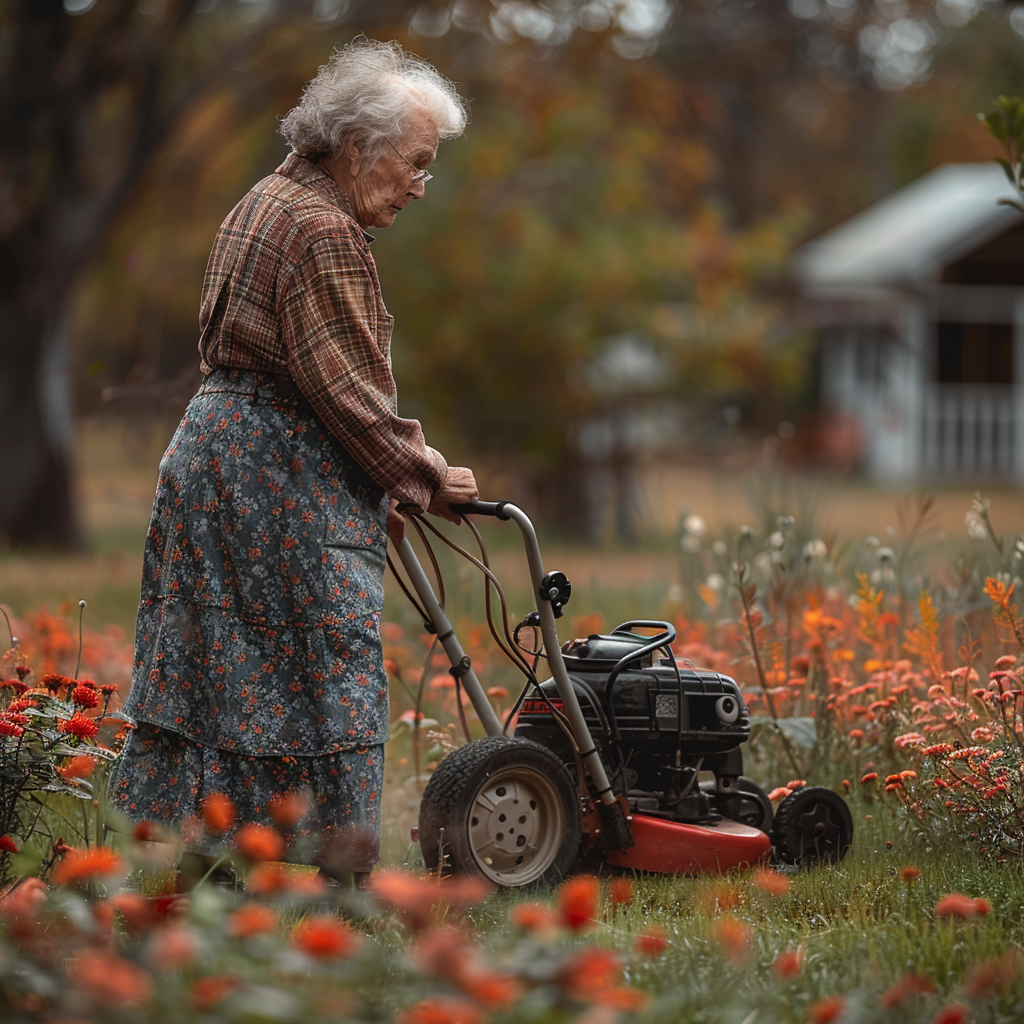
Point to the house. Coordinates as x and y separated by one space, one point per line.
918 303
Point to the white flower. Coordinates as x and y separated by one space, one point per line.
720 548
777 540
975 525
815 549
690 544
675 593
716 581
886 554
694 525
872 543
763 563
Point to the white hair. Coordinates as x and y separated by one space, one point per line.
364 95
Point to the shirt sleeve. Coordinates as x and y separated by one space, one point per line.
338 357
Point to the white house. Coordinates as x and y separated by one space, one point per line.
919 305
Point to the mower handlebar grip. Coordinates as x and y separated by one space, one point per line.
482 508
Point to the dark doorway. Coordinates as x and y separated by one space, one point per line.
975 353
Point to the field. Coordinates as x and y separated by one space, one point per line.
871 939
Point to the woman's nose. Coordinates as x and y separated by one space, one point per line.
417 189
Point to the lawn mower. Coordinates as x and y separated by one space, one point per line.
623 756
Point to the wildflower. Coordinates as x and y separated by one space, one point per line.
251 919
826 1010
172 947
8 845
958 905
110 979
771 882
145 832
937 749
532 917
497 692
15 717
733 937
621 892
207 992
910 739
955 1013
911 984
910 875
20 906
218 812
288 809
788 964
988 977
108 689
779 793
54 681
24 671
80 726
857 735
1006 662
651 941
721 896
796 784
588 972
577 901
324 938
82 865
624 998
442 1011
267 879
869 777
85 697
9 728
138 913
80 767
259 842
983 734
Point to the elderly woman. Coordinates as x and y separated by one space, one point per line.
258 668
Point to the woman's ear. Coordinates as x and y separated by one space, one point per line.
355 156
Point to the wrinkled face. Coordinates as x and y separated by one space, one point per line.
379 192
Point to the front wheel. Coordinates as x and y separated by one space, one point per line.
503 809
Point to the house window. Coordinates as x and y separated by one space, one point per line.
975 353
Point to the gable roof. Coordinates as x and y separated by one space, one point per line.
910 235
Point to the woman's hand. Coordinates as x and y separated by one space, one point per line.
459 487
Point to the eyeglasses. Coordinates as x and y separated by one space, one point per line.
421 173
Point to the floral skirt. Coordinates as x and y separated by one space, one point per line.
163 777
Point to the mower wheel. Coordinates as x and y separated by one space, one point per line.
812 826
750 806
503 809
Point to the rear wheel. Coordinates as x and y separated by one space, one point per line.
501 808
812 826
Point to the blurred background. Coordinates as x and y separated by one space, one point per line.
690 254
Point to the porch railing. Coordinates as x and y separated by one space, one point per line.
969 429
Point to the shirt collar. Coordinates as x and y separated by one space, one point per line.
314 176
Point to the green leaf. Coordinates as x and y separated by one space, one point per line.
1007 170
1015 203
802 732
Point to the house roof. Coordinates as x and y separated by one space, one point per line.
910 235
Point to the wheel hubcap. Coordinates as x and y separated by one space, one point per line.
516 825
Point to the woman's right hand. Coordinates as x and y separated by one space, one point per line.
459 487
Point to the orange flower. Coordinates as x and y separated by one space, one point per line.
172 947
19 907
251 919
771 882
139 913
652 941
911 984
788 964
719 897
621 892
218 812
989 977
624 998
497 692
956 904
577 901
533 917
110 979
80 726
259 842
733 936
826 1010
589 972
207 992
85 697
870 777
442 1011
267 879
325 938
80 767
81 865
490 989
288 809
412 897
910 875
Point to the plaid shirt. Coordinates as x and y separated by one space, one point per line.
291 288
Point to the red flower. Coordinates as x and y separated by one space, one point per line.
8 845
771 882
23 671
288 809
910 875
173 946
80 767
911 984
826 1010
79 726
733 936
788 964
145 832
621 892
589 972
85 696
532 917
207 992
651 941
324 938
109 979
577 901
251 919
15 717
870 777
260 842
108 689
218 812
442 1011
8 728
955 1013
956 904
54 681
81 865
138 912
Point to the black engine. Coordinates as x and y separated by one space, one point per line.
658 727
